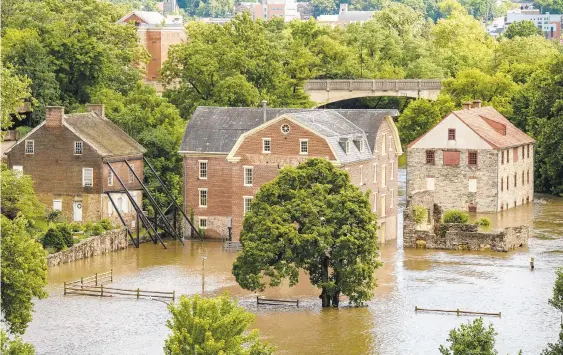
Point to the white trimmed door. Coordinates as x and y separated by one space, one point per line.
77 211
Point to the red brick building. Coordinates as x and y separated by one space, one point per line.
66 156
229 152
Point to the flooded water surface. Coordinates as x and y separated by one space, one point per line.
476 281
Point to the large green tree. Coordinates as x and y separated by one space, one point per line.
15 89
471 338
522 29
208 326
310 218
557 302
14 346
421 115
18 196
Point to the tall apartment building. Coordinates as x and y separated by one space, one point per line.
550 24
269 9
156 33
229 152
475 160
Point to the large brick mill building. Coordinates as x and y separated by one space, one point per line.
66 157
473 160
230 152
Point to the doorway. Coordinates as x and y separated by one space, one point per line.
77 211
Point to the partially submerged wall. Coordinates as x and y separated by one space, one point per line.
107 242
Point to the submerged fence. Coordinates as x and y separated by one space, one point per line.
274 302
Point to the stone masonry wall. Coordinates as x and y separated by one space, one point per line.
101 244
516 177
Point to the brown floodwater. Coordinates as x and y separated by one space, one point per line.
476 281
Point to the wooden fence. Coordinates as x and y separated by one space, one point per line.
232 246
275 302
457 311
94 280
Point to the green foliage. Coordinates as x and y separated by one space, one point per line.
14 346
18 196
420 214
471 338
54 216
557 299
421 115
455 216
97 229
75 227
551 6
66 234
312 218
522 29
555 348
483 221
24 273
209 326
88 227
53 239
106 224
23 130
15 89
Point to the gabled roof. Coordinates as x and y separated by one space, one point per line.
149 17
476 119
102 134
216 129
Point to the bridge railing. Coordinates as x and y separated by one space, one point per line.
373 85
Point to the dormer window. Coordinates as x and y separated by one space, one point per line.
362 146
78 148
347 149
451 134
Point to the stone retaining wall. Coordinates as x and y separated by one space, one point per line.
107 242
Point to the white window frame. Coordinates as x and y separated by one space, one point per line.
27 146
347 145
245 206
374 173
392 177
76 145
392 192
430 182
361 174
469 185
264 140
362 145
199 191
61 205
383 175
301 141
131 178
199 222
383 144
84 170
245 175
18 170
199 163
110 177
383 201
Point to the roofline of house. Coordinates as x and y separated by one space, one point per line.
26 136
395 132
189 153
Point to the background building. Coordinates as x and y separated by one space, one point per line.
550 24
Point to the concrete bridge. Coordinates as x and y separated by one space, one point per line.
326 91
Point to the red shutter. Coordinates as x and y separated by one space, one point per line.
451 158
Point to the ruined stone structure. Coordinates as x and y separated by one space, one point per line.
433 234
65 156
229 153
104 243
473 160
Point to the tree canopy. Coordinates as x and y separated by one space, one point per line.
208 326
15 89
471 338
18 196
311 218
522 29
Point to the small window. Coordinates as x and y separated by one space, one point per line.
362 145
507 157
285 128
303 146
202 197
502 157
472 185
78 148
515 153
203 169
203 222
29 147
375 172
266 145
248 176
18 170
110 178
522 178
392 171
383 176
501 184
131 173
430 157
383 206
507 182
451 134
361 175
523 152
87 177
57 205
347 145
528 177
473 158
392 198
430 183
247 200
515 180
528 151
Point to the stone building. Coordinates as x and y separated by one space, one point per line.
66 157
229 152
474 159
157 34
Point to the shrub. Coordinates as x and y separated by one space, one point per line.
75 227
53 239
455 216
54 216
483 221
66 234
419 214
88 226
97 229
106 224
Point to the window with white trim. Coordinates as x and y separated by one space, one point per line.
57 205
430 183
266 145
472 185
247 200
110 178
303 146
131 173
383 206
347 147
248 176
18 170
202 169
375 202
203 222
202 197
392 191
383 176
374 172
78 148
361 175
87 177
392 171
29 147
362 145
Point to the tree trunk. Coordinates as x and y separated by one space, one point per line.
325 295
336 293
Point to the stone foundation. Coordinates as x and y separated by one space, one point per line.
104 243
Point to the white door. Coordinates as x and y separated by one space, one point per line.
77 209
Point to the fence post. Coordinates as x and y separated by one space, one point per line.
110 275
298 303
173 295
96 282
81 283
257 302
102 291
137 293
64 288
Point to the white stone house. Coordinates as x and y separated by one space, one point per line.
474 159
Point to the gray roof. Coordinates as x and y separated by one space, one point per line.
102 134
354 16
216 129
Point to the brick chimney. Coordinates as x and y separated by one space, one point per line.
264 106
343 7
54 116
476 103
97 108
466 105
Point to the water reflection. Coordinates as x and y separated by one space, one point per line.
479 281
